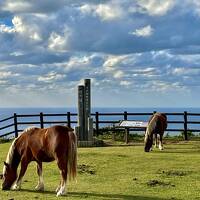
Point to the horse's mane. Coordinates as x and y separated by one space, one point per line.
11 151
10 154
29 129
151 125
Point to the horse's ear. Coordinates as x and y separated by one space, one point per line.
6 164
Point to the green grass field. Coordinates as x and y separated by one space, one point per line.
123 172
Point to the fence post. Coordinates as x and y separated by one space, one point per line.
68 119
185 126
126 129
97 123
15 125
125 115
113 136
41 120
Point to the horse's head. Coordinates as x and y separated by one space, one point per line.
148 142
9 176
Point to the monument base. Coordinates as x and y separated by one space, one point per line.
93 143
85 143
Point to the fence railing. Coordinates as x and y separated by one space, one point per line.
16 123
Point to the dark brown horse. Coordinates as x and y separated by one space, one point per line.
41 145
157 125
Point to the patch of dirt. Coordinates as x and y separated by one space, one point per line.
153 183
122 156
174 173
86 169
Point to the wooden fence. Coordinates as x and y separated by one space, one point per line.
11 125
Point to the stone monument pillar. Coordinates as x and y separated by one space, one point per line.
85 122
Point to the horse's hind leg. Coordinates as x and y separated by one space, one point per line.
161 142
62 164
156 140
40 186
24 165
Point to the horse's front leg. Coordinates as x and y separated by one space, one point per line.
161 142
58 188
40 185
63 170
24 165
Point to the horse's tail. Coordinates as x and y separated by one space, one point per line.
72 155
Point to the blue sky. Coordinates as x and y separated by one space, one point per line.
142 53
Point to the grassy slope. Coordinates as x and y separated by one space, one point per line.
121 173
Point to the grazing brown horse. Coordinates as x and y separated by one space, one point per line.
157 125
41 145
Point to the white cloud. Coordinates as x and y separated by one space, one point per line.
17 53
146 72
59 42
155 7
21 6
87 9
106 12
190 58
180 71
18 24
164 86
78 61
112 61
6 29
56 42
30 31
146 31
3 82
16 6
162 53
7 74
51 77
118 74
125 83
195 4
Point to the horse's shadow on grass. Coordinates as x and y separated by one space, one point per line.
99 195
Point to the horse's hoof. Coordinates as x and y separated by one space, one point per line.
57 189
16 187
39 188
161 148
60 193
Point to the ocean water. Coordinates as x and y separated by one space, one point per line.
7 112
